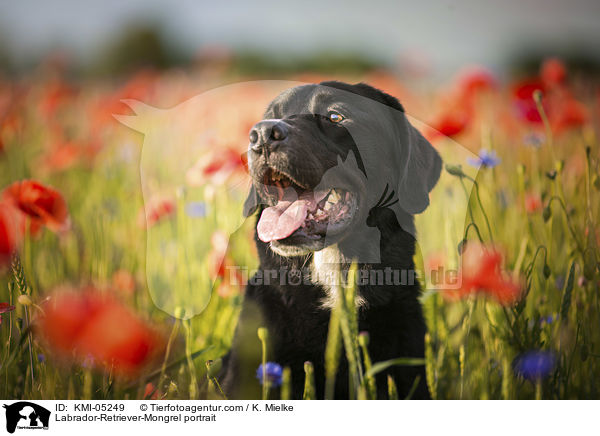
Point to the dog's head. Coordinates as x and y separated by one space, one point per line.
325 156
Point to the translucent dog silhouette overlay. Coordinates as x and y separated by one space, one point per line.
180 258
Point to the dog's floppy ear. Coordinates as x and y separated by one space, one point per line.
251 204
422 167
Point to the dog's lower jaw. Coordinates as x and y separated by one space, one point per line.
289 251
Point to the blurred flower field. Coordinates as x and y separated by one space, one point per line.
80 314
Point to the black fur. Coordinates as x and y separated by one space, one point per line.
294 315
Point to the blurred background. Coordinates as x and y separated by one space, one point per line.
270 38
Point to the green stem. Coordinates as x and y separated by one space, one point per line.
190 361
172 337
19 275
309 381
537 97
263 335
30 344
462 182
487 221
476 227
529 268
564 208
514 331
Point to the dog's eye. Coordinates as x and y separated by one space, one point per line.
334 117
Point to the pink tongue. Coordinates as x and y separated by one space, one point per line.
283 219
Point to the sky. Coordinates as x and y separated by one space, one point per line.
442 34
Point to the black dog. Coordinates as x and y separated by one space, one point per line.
338 173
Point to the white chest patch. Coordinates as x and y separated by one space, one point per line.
329 269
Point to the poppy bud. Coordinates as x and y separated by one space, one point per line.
547 271
461 246
263 334
551 174
547 213
559 165
363 339
213 367
455 170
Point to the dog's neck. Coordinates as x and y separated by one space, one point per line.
328 268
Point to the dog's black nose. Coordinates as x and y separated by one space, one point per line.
267 134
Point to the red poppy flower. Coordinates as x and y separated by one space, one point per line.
63 155
568 114
523 99
150 392
553 72
225 166
155 210
87 324
43 205
57 93
5 307
450 123
140 86
435 261
533 203
481 273
11 231
123 281
474 80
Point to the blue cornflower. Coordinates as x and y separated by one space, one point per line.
195 209
273 373
549 319
534 139
41 358
486 159
534 365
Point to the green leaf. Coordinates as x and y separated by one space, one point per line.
402 361
566 302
